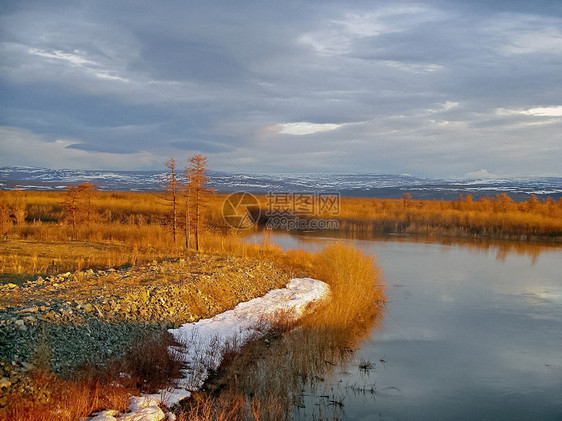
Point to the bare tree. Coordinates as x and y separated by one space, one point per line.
5 221
198 193
78 205
173 191
185 194
72 207
87 190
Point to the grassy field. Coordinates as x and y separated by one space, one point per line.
98 277
498 217
119 249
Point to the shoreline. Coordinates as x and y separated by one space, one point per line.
91 317
203 343
105 320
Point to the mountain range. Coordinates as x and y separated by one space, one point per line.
360 185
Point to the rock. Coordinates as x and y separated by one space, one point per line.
28 310
51 315
108 415
5 382
26 366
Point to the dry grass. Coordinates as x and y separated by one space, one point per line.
130 231
65 400
356 285
228 407
146 367
310 351
496 217
304 353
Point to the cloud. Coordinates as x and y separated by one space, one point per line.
481 174
303 128
117 81
22 147
553 111
544 111
337 36
529 35
75 59
72 58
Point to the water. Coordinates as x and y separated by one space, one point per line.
469 333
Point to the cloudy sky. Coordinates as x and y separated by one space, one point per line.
430 88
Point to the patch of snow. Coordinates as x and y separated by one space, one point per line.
204 343
143 409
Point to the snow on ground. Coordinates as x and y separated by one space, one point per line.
204 343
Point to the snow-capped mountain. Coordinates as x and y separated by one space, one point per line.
376 185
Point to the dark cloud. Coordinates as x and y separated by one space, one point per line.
151 80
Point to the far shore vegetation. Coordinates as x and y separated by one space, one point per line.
180 236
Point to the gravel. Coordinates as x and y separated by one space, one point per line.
89 317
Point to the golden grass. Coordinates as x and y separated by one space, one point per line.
131 230
325 335
148 367
498 217
304 352
140 219
356 286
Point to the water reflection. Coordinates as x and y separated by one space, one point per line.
474 330
502 249
287 370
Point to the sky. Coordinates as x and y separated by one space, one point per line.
429 88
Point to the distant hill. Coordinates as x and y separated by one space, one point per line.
361 185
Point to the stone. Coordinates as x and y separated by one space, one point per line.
26 366
28 310
5 382
51 315
108 415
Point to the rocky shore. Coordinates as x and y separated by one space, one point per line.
87 317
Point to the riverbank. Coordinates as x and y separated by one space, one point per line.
86 341
203 345
496 218
64 323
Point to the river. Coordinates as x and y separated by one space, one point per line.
469 332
